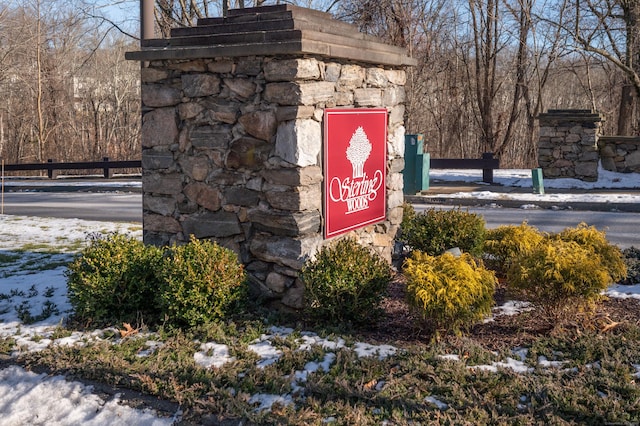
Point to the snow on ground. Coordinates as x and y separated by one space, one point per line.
522 178
66 235
28 398
34 304
517 178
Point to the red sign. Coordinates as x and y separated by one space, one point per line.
355 160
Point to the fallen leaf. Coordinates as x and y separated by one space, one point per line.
128 330
609 327
370 385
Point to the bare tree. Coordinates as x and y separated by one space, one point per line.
610 29
66 91
390 20
486 69
487 44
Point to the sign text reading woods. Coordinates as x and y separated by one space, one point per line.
355 154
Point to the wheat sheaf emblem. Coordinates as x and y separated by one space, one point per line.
358 151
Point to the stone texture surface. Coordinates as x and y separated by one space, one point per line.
620 153
159 128
299 142
232 150
567 146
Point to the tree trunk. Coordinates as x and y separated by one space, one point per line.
41 130
627 113
627 124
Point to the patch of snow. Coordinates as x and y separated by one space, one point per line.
620 291
367 350
151 346
30 398
266 351
521 353
510 364
450 357
212 355
545 363
264 401
509 308
311 339
435 401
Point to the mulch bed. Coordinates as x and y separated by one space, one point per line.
404 326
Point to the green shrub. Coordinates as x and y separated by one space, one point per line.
632 261
435 231
556 272
596 241
114 280
408 214
202 282
453 292
345 282
506 243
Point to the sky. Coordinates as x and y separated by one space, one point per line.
126 13
32 284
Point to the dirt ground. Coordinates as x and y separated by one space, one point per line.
403 325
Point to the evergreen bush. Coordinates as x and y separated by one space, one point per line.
596 241
453 292
632 261
504 244
557 272
435 231
345 283
202 282
115 280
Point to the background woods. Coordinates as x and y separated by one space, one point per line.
66 91
486 69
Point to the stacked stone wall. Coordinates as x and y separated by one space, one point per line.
231 151
620 153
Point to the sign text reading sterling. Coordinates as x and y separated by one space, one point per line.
356 192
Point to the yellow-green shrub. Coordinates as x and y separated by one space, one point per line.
506 243
557 271
435 231
590 238
453 292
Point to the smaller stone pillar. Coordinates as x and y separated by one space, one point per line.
568 144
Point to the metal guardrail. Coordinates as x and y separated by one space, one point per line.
51 166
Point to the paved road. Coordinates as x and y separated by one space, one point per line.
623 229
104 206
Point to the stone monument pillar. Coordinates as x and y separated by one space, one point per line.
568 144
232 135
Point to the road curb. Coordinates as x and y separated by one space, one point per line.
71 188
516 204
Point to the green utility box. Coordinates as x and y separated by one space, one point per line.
416 165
